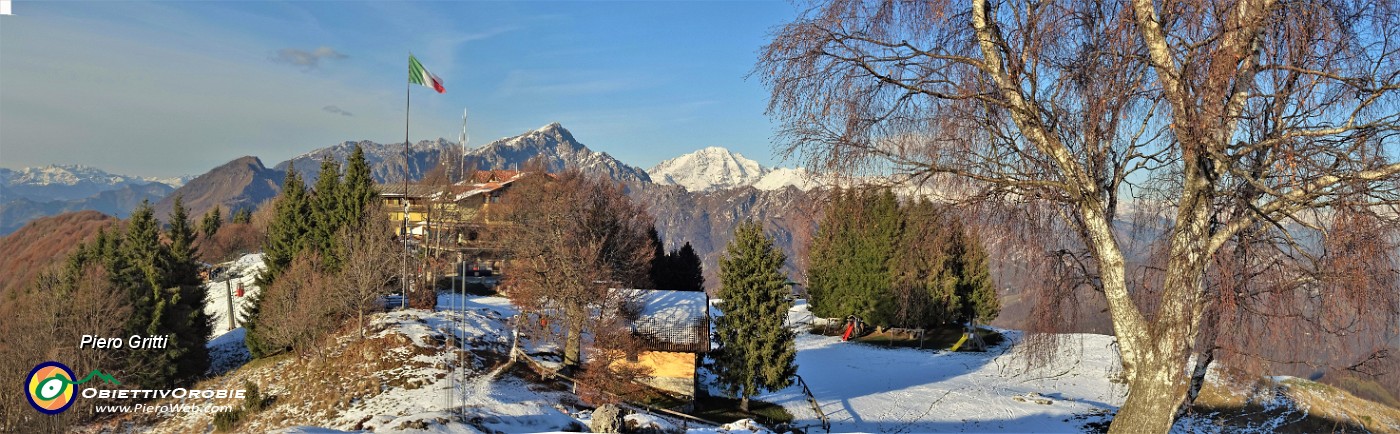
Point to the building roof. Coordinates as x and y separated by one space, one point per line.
414 190
482 181
484 176
672 320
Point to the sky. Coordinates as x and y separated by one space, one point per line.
179 87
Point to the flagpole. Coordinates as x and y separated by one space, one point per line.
403 280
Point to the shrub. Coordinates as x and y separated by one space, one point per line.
253 401
225 421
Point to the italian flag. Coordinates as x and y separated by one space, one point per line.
417 74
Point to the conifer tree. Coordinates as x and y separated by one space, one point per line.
977 297
146 258
923 282
357 188
660 272
823 261
286 237
850 269
756 347
165 296
286 234
327 214
243 215
183 268
184 319
209 225
686 267
877 240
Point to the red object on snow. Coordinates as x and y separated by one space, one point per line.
850 328
240 290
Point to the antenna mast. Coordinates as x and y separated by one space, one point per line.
462 162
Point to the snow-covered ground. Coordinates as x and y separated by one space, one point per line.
409 377
865 388
218 293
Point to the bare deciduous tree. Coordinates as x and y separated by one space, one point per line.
45 322
571 238
371 245
1249 124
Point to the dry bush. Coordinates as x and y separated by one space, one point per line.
301 307
423 295
231 240
265 213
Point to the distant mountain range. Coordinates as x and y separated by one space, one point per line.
15 213
34 192
62 182
696 198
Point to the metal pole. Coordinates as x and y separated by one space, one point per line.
228 285
403 279
462 306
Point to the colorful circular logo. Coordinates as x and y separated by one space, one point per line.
50 387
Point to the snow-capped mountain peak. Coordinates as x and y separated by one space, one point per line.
558 149
708 169
783 177
64 174
76 174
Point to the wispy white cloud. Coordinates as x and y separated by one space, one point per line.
336 110
307 59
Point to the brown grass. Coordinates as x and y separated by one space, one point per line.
316 390
1316 407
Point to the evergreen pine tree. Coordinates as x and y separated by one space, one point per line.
209 225
823 264
184 268
148 258
877 240
688 271
286 234
243 215
756 347
921 285
327 214
184 320
977 296
357 189
143 269
286 237
660 273
850 269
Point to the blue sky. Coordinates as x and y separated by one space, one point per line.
176 88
